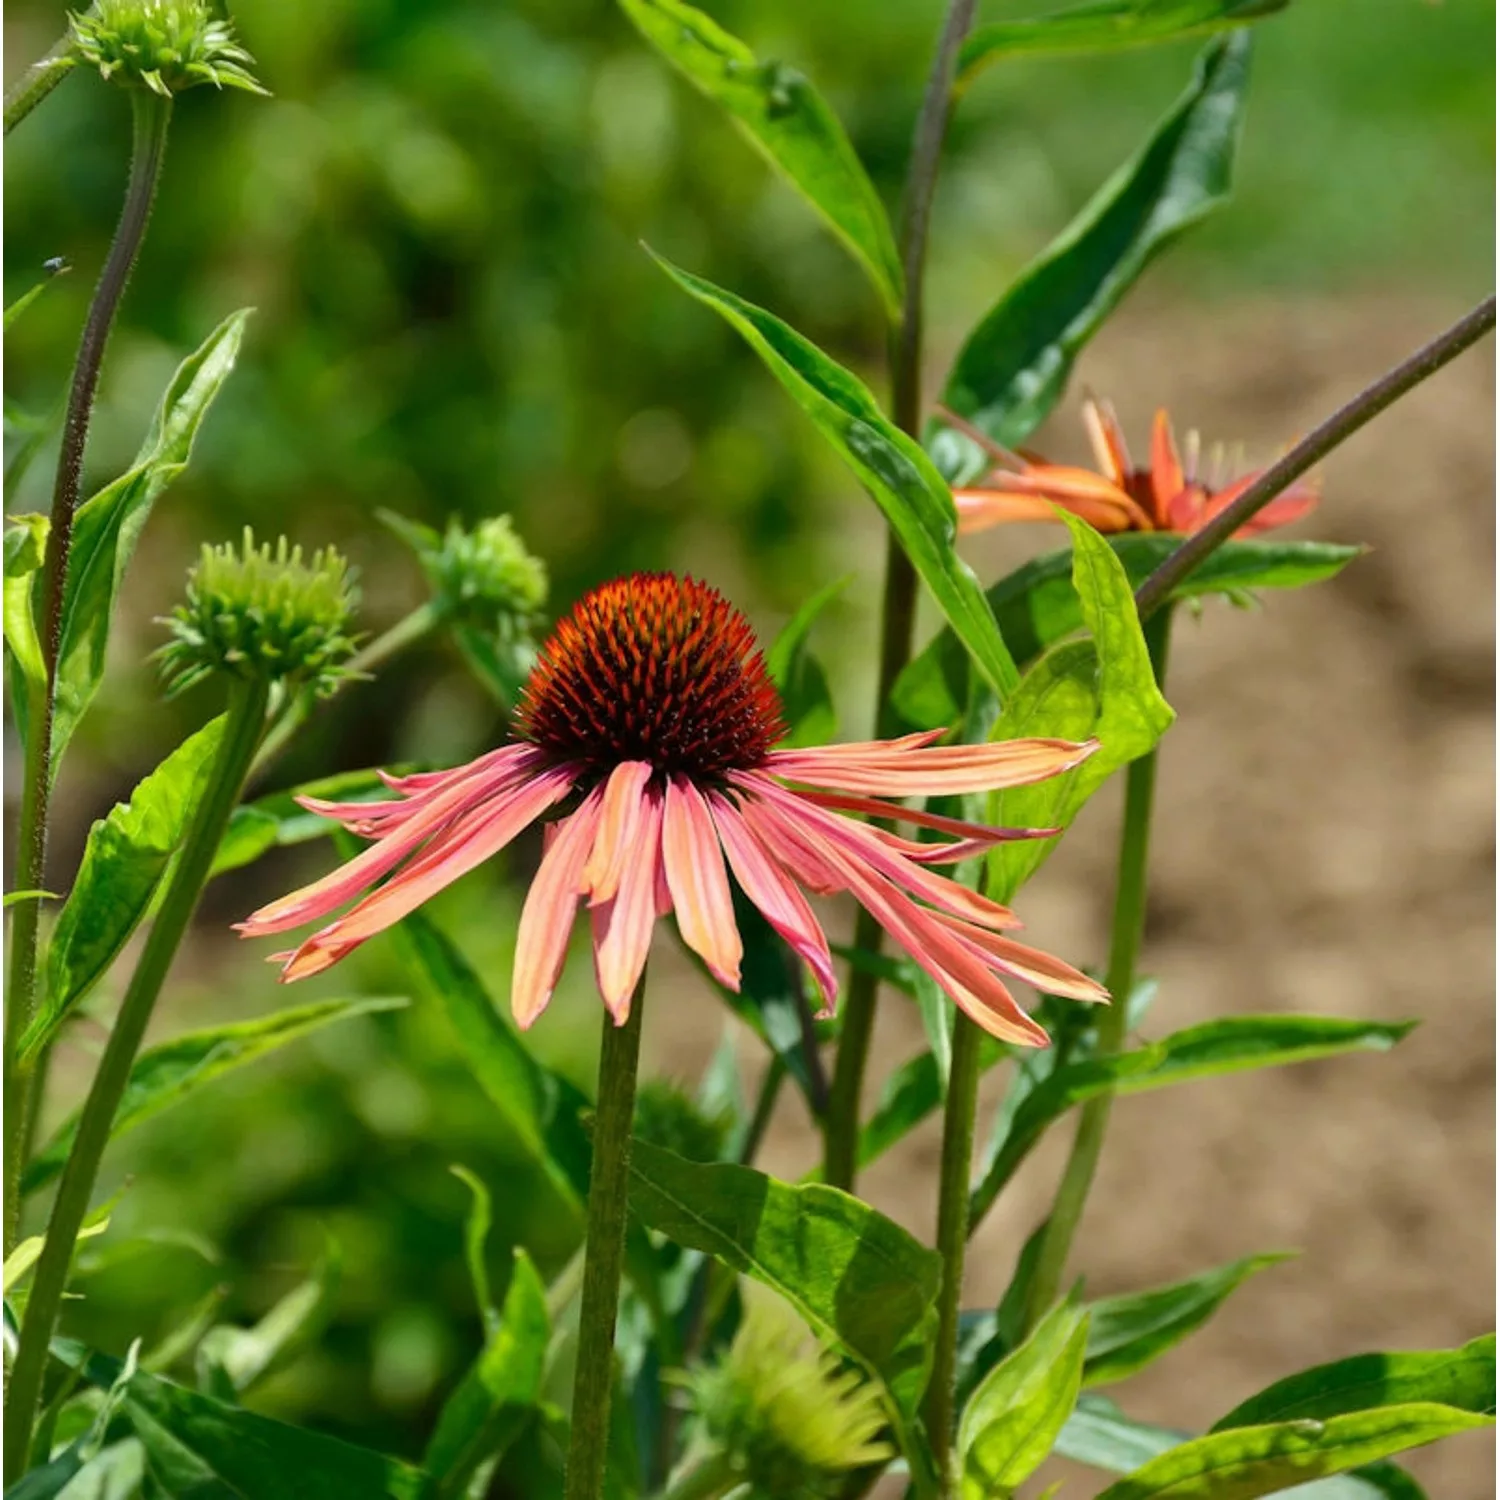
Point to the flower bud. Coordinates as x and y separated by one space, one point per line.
259 613
162 45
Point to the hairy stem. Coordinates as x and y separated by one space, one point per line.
245 724
1321 441
38 81
1126 931
899 601
152 115
604 1253
952 1238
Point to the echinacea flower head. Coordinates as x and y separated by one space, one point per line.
162 45
1169 494
646 738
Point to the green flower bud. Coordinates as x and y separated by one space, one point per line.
666 1117
788 1420
163 45
259 613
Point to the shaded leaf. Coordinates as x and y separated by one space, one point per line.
165 1074
54 269
107 526
1126 1333
1037 605
1232 1045
1463 1378
1104 688
1105 26
1245 1462
806 702
1014 366
126 855
1013 1418
893 469
785 118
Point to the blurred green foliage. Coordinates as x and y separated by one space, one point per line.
437 216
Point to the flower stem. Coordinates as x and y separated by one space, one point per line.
152 115
604 1254
1126 931
952 1237
38 81
245 723
898 608
1322 440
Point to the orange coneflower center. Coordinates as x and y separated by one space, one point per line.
656 668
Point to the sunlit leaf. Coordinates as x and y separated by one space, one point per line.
25 545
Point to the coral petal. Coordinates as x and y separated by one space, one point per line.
622 924
619 818
699 886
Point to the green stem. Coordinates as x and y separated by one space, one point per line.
898 610
604 1253
1126 932
38 81
151 116
403 633
952 1237
245 724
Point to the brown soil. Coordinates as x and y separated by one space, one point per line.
1325 844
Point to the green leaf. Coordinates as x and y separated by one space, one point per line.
1248 1461
476 1233
29 1251
897 473
1463 1378
1015 364
1012 1420
126 854
232 1360
107 526
276 821
54 268
1105 689
1127 1333
498 1392
806 702
860 1282
1105 26
541 1107
25 546
165 1074
1232 1045
1037 605
785 118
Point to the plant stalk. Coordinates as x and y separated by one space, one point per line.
898 608
952 1238
246 716
604 1253
38 81
1126 930
151 117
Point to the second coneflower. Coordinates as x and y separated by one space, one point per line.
648 728
1170 494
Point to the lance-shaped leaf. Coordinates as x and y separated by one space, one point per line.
1245 1462
500 1389
1232 1045
1463 1377
276 821
1013 367
785 118
1013 1418
861 1282
1127 1333
892 467
108 525
166 1074
1103 689
124 859
1104 26
1037 605
806 702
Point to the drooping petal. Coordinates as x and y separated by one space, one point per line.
1040 970
1167 477
778 899
883 769
619 821
622 924
551 904
979 509
897 813
694 867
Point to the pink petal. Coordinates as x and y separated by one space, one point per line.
622 924
880 768
1040 970
897 813
699 887
619 818
547 916
779 900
